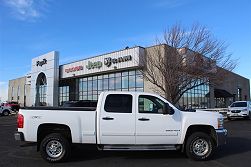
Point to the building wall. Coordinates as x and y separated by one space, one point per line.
232 82
194 97
19 91
148 86
47 64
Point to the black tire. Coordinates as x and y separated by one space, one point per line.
249 116
5 113
62 144
200 146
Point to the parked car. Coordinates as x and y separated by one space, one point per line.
5 110
122 121
13 105
80 103
239 109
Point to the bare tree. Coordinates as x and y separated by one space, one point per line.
185 59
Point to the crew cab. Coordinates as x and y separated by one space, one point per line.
122 121
239 109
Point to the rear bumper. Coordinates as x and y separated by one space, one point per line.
221 135
19 136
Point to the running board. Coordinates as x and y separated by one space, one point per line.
139 147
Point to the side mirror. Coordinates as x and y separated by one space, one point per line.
168 110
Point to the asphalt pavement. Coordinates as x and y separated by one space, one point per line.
237 152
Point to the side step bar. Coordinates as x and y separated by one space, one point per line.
140 147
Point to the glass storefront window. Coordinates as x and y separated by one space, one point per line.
64 94
132 72
132 81
100 84
84 86
195 98
94 84
139 81
125 82
111 83
118 83
91 87
106 83
125 73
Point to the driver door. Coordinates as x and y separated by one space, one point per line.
152 126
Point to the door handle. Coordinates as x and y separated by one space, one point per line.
107 118
144 119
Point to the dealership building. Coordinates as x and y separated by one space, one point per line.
51 84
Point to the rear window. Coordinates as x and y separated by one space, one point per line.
118 103
239 104
81 103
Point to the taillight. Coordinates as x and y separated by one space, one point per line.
20 121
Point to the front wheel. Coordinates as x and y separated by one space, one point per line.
229 118
200 146
55 148
6 113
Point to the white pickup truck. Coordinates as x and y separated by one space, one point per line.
122 121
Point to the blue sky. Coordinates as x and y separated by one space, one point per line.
82 28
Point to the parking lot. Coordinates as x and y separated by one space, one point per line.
237 152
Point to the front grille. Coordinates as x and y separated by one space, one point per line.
235 111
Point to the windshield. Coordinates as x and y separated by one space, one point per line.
239 104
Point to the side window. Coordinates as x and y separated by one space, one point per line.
150 104
118 103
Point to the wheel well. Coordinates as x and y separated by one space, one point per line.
6 110
46 129
200 128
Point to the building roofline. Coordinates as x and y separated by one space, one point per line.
17 78
234 73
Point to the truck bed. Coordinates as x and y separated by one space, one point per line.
81 121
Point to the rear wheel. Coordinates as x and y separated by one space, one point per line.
200 146
55 148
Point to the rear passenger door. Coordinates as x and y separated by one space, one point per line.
117 120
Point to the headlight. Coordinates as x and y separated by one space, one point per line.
220 123
245 109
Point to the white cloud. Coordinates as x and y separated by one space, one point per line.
26 9
3 91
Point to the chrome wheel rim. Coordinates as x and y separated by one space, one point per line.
54 149
200 147
5 113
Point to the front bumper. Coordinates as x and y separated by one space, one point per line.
237 115
19 136
221 135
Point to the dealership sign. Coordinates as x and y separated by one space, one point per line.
108 62
73 69
41 63
92 65
118 60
